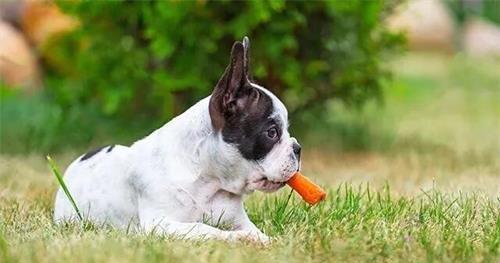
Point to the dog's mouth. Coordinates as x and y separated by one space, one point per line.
265 185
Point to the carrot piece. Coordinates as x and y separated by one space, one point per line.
310 192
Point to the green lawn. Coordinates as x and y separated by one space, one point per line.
423 184
352 225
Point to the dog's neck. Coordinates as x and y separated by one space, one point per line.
198 151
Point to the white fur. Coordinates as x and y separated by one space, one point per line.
179 180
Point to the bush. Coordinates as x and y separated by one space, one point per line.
157 58
34 123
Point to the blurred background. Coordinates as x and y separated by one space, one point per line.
399 92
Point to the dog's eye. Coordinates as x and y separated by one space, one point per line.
272 133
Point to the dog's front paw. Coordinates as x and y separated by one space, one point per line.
251 236
260 238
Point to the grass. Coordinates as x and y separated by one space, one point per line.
352 225
439 127
421 185
60 180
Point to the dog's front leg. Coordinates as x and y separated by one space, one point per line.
199 231
196 231
243 223
154 218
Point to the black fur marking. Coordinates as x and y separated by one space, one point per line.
248 129
91 153
241 111
110 148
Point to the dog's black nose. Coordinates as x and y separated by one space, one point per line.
296 149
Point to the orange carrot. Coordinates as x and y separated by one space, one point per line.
310 192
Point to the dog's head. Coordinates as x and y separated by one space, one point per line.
252 124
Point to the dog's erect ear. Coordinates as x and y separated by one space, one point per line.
232 90
246 57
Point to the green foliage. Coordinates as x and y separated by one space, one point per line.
157 58
35 123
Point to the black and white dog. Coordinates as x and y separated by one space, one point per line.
195 170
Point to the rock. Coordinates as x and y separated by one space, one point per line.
428 25
481 38
11 10
42 20
18 64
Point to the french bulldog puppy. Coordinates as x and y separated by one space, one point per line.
193 172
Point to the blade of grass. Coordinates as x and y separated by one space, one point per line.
59 178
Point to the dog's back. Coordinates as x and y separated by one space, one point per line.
99 181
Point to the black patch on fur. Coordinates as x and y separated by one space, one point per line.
248 128
240 111
110 148
91 153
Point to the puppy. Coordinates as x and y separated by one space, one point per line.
193 172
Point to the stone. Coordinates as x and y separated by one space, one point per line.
42 20
428 24
18 65
481 38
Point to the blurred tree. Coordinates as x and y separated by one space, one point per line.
157 58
